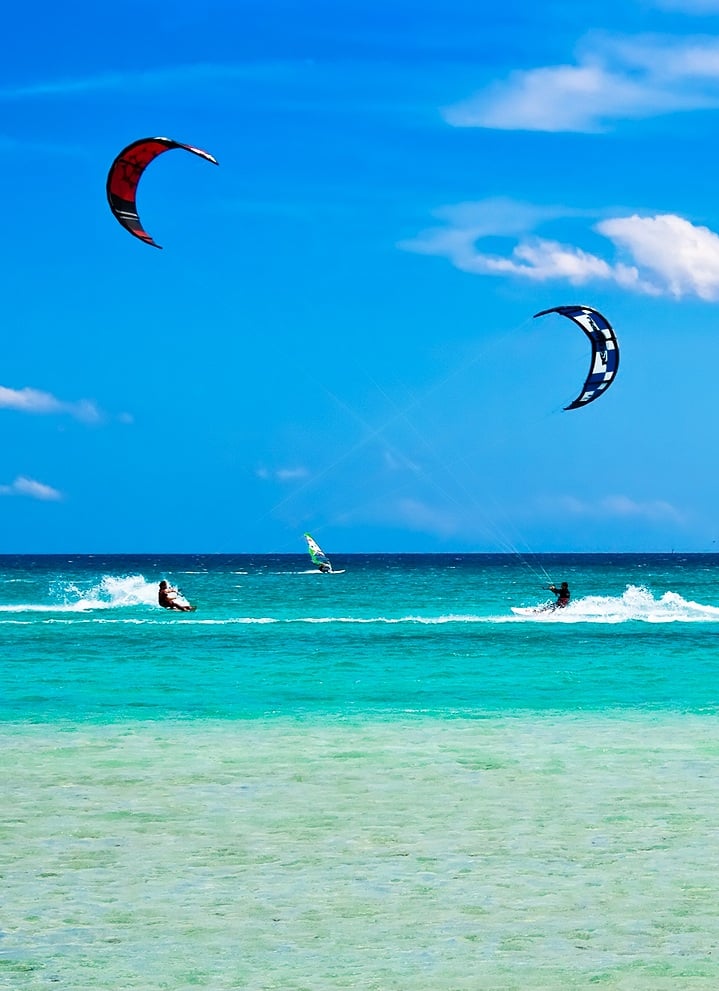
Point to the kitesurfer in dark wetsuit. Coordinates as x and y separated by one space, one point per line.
166 598
562 594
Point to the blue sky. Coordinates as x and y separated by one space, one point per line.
337 335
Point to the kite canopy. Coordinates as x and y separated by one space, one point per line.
605 350
125 174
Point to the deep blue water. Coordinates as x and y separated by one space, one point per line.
82 636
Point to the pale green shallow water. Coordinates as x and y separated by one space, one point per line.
547 851
384 779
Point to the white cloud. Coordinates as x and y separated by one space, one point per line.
660 255
682 257
540 260
612 79
23 486
29 400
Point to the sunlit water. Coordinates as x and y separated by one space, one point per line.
382 779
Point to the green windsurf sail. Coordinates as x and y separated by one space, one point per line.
319 558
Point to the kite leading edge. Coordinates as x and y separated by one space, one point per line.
125 174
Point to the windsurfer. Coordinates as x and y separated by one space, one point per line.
319 558
167 598
562 593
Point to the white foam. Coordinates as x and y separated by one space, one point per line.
636 603
111 592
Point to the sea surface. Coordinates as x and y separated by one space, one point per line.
384 778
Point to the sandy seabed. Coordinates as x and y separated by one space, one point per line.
533 851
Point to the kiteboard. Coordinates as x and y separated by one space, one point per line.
533 610
180 599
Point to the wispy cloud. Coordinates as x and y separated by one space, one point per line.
689 6
33 145
612 79
23 486
29 400
618 507
395 461
410 514
420 516
657 255
282 474
157 78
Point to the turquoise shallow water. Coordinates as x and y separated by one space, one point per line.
83 638
383 778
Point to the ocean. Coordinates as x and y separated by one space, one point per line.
382 778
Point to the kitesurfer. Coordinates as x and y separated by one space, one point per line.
562 594
167 598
